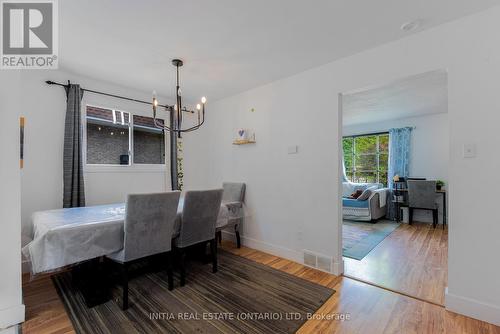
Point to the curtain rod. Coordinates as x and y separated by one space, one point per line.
49 82
374 133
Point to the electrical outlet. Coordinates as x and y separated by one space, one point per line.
469 151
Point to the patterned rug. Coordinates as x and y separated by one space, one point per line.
242 297
359 238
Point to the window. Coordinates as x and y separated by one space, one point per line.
114 136
149 142
366 158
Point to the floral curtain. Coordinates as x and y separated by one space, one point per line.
399 159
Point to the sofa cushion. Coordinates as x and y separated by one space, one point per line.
354 203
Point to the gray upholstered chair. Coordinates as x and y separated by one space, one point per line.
422 195
198 220
148 229
233 197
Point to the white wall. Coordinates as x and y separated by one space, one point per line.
11 308
44 107
294 198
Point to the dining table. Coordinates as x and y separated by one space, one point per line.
64 237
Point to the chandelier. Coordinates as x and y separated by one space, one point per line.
177 110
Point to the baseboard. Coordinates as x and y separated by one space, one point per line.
286 253
11 316
26 266
472 308
338 268
16 329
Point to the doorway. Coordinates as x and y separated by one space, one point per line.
395 146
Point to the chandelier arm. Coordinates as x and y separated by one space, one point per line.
196 127
193 128
160 126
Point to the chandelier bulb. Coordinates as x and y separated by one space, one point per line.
198 106
203 100
155 101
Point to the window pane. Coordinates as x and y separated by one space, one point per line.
370 160
366 162
384 161
366 177
347 146
365 144
383 177
149 141
107 136
383 143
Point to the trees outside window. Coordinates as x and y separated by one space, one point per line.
366 158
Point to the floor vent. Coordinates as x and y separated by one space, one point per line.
318 261
324 263
310 259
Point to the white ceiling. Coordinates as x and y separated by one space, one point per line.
230 46
414 96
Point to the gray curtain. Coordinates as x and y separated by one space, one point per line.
74 193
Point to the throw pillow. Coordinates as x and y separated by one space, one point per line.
365 195
356 194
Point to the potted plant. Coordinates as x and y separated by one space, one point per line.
439 184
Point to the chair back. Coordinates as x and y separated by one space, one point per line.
422 194
233 192
149 224
199 216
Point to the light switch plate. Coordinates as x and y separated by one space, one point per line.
469 151
293 149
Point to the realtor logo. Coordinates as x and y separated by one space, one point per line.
29 34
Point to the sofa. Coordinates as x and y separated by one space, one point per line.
375 207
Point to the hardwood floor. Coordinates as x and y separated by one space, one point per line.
413 260
370 309
45 312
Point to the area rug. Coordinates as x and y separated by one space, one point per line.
242 297
359 238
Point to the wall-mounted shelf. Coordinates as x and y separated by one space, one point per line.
243 142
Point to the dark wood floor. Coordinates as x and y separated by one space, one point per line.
413 260
370 309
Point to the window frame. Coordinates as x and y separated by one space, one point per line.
377 154
114 168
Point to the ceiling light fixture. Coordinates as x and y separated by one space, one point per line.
177 110
411 25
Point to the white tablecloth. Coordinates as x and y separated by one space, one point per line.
68 236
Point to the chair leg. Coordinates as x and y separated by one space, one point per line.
183 266
219 237
410 216
170 271
435 217
125 286
238 239
213 254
